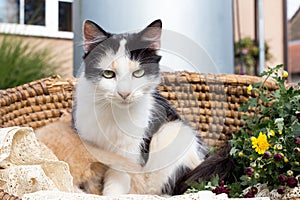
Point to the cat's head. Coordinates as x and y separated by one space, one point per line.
124 67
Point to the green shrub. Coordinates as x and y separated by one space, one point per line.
22 62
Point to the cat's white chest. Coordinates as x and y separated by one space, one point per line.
119 133
110 127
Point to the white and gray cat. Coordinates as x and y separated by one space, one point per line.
118 109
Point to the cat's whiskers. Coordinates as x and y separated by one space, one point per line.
102 105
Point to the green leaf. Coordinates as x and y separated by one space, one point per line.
295 129
215 180
263 98
235 190
233 151
252 102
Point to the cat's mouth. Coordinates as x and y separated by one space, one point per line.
123 102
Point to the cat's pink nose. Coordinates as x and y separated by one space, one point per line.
124 95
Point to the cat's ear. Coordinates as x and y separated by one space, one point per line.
93 34
152 34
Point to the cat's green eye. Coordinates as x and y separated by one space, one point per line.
138 73
108 74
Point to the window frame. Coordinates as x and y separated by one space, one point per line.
51 28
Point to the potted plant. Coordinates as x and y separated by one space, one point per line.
246 54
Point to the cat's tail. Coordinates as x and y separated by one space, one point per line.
219 163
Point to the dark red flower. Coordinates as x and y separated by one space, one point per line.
277 157
249 195
254 190
221 189
292 182
282 178
297 140
249 171
267 155
296 149
280 190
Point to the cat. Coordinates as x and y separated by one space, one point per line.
118 109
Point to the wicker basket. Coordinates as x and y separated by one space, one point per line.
209 102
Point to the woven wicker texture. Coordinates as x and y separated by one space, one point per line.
6 196
209 102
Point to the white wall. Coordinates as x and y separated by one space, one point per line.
198 34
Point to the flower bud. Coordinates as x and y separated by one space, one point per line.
297 150
240 154
277 157
253 164
282 178
279 146
249 171
249 88
254 190
292 182
290 172
258 159
280 190
249 195
256 175
267 155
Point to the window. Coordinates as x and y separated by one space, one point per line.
49 18
65 16
34 12
9 11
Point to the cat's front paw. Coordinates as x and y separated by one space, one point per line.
92 179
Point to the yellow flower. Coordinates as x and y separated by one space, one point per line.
286 160
285 74
249 88
260 144
240 154
280 132
271 133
